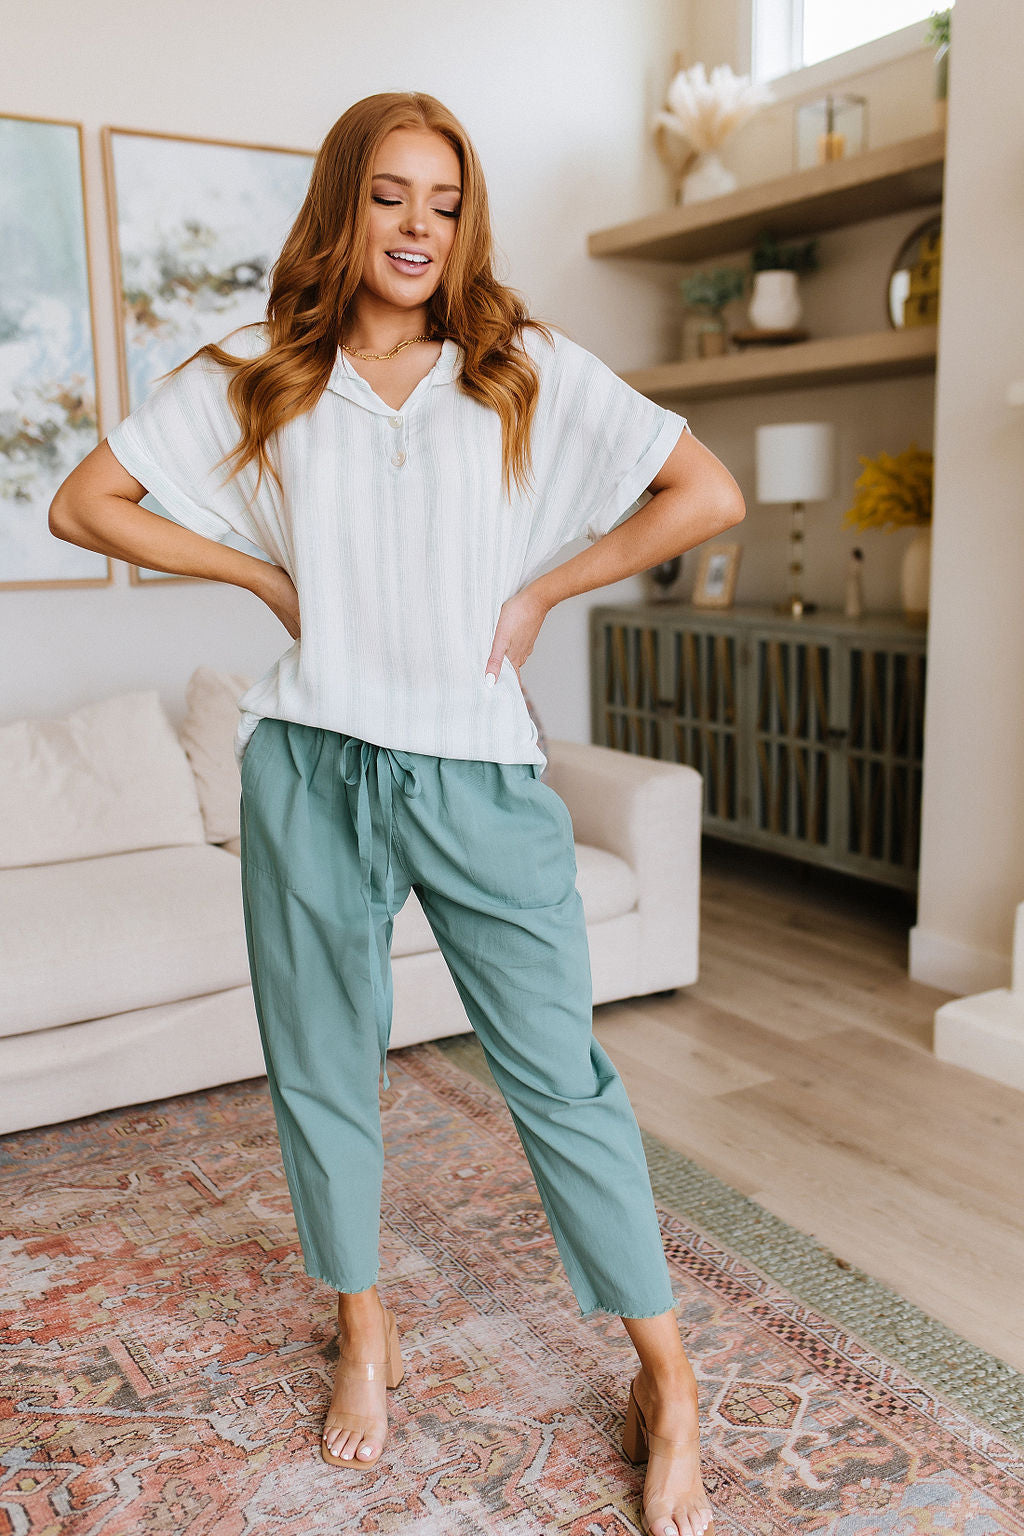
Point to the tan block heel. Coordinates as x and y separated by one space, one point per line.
634 1431
391 1369
639 1443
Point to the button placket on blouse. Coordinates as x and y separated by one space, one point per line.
347 381
400 453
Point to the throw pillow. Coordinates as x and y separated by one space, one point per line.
208 736
110 777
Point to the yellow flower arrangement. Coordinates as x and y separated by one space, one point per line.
893 491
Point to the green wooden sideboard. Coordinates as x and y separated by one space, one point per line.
808 732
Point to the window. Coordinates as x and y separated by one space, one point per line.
794 34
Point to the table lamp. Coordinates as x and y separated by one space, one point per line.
796 463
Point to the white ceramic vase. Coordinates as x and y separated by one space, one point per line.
708 178
775 302
915 577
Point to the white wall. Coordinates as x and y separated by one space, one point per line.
556 98
972 866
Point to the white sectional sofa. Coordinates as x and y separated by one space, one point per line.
123 969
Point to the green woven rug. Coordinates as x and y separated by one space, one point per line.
985 1387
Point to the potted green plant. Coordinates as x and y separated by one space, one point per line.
775 304
939 29
711 292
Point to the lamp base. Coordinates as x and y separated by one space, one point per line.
796 607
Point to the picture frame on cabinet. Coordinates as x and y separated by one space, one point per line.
49 395
195 227
715 582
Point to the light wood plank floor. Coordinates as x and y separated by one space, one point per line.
798 1069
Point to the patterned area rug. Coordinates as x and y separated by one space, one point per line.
167 1361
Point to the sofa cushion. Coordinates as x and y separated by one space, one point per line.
207 734
606 882
92 937
110 777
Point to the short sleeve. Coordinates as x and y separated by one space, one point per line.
599 444
172 442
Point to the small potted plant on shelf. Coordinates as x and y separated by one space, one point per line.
775 305
895 491
711 292
939 30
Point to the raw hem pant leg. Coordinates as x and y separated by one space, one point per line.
496 862
306 932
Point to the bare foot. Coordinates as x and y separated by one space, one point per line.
362 1339
674 1498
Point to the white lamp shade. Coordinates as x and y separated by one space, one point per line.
796 461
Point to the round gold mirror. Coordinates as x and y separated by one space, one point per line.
913 296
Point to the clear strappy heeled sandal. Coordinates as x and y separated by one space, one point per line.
640 1443
392 1371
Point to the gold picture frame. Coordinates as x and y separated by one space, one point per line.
715 582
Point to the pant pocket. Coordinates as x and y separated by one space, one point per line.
256 752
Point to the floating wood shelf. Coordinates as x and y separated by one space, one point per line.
828 360
868 185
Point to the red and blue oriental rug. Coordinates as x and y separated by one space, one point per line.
167 1363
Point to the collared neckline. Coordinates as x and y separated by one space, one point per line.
347 381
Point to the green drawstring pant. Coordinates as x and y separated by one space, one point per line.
335 831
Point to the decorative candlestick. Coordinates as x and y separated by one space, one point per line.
854 606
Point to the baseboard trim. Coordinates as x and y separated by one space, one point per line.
939 961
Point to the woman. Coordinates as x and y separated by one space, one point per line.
383 421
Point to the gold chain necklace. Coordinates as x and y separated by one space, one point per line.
381 356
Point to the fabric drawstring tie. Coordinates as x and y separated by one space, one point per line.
390 764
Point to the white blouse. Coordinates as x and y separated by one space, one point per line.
396 530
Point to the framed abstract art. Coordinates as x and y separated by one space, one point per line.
195 228
49 407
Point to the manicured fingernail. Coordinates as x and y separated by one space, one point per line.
490 679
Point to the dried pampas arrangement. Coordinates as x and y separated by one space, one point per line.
704 112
